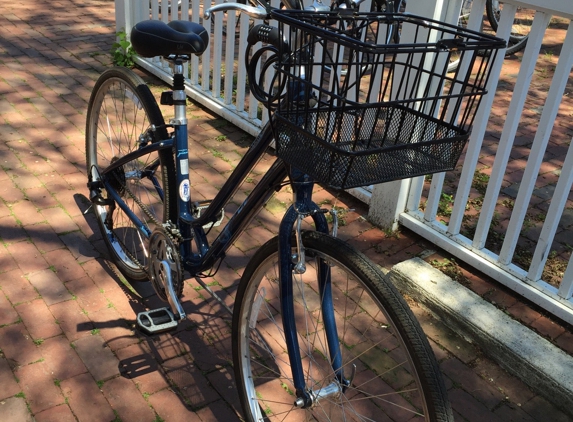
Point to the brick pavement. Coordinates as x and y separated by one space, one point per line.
68 348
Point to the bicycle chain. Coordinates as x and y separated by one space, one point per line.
174 235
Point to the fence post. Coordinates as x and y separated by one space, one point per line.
389 200
123 13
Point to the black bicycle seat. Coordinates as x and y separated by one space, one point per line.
157 38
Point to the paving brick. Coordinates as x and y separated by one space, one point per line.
15 409
191 382
170 407
565 341
514 390
60 413
49 286
12 232
10 193
79 246
464 376
61 358
167 347
8 384
7 262
17 345
127 400
38 319
223 381
38 386
470 408
218 411
27 256
60 221
138 364
66 266
27 213
86 400
97 357
72 319
45 238
523 313
113 328
541 410
501 298
7 313
513 413
90 297
547 328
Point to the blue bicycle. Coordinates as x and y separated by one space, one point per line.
318 332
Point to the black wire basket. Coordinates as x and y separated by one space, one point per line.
351 107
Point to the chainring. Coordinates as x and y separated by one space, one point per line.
163 248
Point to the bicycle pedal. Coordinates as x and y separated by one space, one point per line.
156 321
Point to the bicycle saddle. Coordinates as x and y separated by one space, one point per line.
157 38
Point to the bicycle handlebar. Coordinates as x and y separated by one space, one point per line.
256 12
262 10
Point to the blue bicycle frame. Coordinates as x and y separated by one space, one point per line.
207 255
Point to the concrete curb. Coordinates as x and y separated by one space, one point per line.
542 366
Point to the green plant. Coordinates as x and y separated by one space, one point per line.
450 268
480 181
121 51
445 205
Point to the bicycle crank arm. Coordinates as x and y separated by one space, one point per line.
167 281
163 319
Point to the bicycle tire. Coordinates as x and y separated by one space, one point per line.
402 358
120 111
520 29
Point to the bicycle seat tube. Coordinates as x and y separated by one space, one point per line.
181 152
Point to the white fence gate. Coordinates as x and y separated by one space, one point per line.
218 81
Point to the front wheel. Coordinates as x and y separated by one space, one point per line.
386 357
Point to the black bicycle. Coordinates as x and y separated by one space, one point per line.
519 31
318 332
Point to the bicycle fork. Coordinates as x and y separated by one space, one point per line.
304 206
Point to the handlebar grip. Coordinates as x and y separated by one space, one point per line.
269 35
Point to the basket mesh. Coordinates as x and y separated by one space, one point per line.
356 110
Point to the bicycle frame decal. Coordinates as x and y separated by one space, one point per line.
184 193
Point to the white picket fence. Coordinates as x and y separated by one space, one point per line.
422 216
218 81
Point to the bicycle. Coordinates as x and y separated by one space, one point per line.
318 332
519 32
521 25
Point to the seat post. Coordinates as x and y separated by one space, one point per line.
179 97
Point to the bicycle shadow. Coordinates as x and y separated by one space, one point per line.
194 361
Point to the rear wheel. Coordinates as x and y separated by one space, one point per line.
121 115
384 353
521 24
